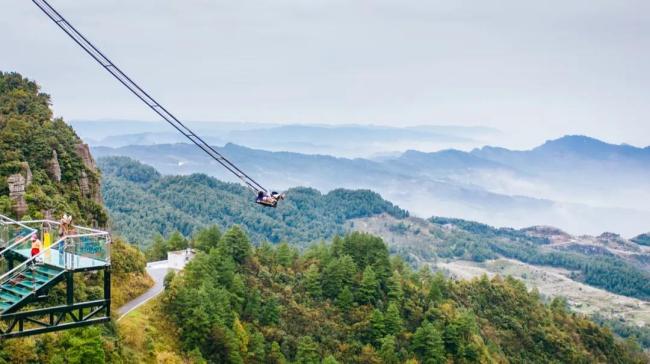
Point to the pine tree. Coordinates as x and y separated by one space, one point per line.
438 287
242 336
337 246
253 305
368 356
338 274
284 255
395 292
270 312
307 352
369 289
345 299
207 238
177 241
275 355
393 319
377 327
330 360
312 282
256 353
235 243
427 344
265 253
158 249
388 350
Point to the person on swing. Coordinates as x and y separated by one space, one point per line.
271 199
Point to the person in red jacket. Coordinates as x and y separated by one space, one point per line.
36 245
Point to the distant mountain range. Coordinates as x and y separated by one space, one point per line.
338 140
577 183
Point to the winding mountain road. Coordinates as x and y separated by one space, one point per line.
157 271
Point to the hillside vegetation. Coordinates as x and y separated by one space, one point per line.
48 167
607 262
142 203
348 302
46 170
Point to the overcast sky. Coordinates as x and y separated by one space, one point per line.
534 69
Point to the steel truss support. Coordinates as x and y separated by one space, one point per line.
55 318
63 317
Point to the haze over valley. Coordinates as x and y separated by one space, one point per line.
577 183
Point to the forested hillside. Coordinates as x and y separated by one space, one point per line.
143 203
46 170
608 261
44 167
598 268
349 302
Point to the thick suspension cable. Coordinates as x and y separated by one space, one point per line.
107 64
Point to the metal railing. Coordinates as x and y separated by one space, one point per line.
13 233
86 248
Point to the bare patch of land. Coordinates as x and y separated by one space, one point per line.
553 282
419 240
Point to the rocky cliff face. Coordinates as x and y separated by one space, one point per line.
16 183
88 188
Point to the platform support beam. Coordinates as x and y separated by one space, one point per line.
69 287
54 319
107 289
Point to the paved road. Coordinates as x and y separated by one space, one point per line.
157 271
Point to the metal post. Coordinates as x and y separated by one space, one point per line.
69 287
107 289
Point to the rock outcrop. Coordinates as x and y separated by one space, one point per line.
17 185
84 184
54 169
88 188
83 151
28 173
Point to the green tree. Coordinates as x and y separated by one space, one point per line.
235 243
428 345
377 326
393 319
80 346
369 288
337 246
243 338
158 249
256 354
176 241
307 352
395 291
438 287
265 253
207 238
252 305
330 359
312 281
275 355
388 350
338 274
284 254
368 356
345 299
270 311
